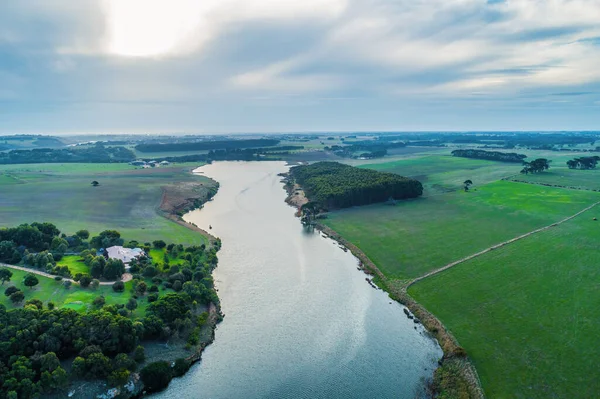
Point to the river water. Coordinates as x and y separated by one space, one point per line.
300 319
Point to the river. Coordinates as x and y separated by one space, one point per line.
300 319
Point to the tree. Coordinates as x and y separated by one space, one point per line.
17 297
156 376
30 281
95 183
141 288
67 284
98 365
467 184
5 275
97 266
118 286
83 234
139 355
95 284
160 244
131 304
85 280
35 302
99 301
114 269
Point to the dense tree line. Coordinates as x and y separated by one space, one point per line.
94 154
583 162
206 145
535 166
335 185
490 155
364 149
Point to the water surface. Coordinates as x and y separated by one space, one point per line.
300 319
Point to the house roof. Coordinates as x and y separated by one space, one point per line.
124 254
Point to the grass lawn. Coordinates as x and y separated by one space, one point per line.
416 236
527 314
75 264
563 176
76 298
127 199
158 256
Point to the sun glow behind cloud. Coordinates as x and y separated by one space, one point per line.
151 28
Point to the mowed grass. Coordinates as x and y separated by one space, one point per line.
126 200
563 176
444 173
527 313
75 264
417 236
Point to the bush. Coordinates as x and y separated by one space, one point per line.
139 354
156 376
17 297
67 284
160 244
118 286
181 367
10 290
58 278
99 301
85 281
152 298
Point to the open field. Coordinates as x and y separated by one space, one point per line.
74 263
443 173
417 236
563 176
527 313
126 200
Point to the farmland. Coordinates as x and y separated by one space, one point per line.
127 199
527 313
563 176
417 236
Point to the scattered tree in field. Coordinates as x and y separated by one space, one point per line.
535 166
118 286
85 281
131 304
95 284
67 284
584 163
95 183
139 355
160 244
5 275
17 297
30 281
114 269
467 184
10 290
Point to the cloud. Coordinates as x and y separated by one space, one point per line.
372 53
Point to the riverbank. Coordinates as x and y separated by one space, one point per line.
455 373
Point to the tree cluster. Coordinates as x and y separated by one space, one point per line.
583 163
95 154
490 155
206 145
535 166
335 185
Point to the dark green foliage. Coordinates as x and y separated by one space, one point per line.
17 297
181 367
83 234
35 302
106 239
95 154
85 280
139 355
490 155
118 286
334 185
156 376
10 290
583 162
170 307
99 301
536 166
5 275
131 304
114 269
31 280
159 244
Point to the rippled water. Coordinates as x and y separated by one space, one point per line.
300 319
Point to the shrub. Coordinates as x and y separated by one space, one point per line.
139 354
118 286
10 290
159 244
85 281
156 376
181 367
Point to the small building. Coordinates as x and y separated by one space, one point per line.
124 254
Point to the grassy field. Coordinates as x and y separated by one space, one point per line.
444 173
414 237
75 264
127 199
527 314
563 176
75 297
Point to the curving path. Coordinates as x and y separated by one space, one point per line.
125 278
448 266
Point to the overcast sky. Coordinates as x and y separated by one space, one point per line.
305 65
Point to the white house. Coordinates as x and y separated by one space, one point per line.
124 254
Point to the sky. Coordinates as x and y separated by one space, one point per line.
221 66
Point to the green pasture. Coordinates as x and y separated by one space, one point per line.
74 263
527 313
126 200
158 256
443 173
77 298
416 236
563 176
